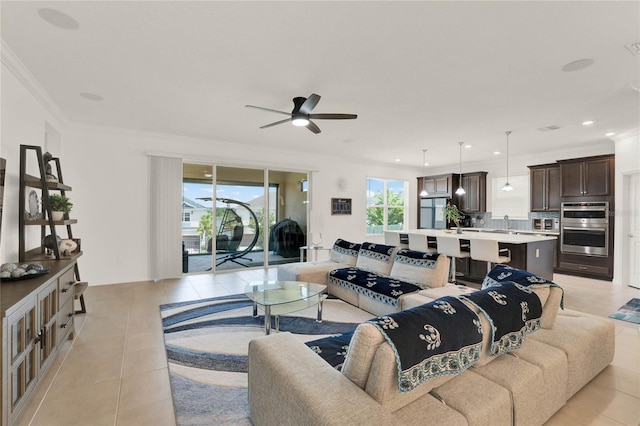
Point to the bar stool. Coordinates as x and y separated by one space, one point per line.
489 251
451 247
392 238
420 242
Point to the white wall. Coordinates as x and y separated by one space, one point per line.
627 161
24 121
108 170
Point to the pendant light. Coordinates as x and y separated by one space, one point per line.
424 192
507 186
460 190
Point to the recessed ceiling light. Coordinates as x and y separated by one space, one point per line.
208 175
91 96
578 65
588 122
496 152
58 19
610 134
468 146
397 159
426 164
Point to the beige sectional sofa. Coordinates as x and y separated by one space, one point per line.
422 271
291 384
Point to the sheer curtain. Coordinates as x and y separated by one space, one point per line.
165 217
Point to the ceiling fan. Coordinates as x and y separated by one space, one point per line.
301 114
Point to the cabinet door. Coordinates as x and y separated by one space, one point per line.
572 179
538 190
441 186
22 364
596 177
48 314
553 189
430 186
469 201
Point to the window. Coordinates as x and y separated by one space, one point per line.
386 205
186 216
514 204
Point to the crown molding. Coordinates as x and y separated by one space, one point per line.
22 73
631 134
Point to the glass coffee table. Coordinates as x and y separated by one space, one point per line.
283 297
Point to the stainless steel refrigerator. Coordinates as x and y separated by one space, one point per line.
431 213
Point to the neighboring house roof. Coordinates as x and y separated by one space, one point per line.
187 202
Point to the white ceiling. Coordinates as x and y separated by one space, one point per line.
418 74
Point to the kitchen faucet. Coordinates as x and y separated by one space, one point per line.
506 221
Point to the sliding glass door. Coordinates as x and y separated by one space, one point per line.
248 223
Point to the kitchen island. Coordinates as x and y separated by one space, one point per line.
533 252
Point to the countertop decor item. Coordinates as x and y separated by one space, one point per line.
452 214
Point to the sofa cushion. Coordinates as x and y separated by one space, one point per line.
435 339
551 294
344 251
513 311
362 348
372 285
426 270
376 258
312 272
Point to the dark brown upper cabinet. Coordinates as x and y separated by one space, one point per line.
545 188
587 177
440 186
475 198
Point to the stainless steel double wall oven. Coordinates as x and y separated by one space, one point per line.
585 228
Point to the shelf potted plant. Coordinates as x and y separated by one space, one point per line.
60 205
452 214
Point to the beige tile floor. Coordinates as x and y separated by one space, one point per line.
115 371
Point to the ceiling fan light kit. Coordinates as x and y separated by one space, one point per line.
301 114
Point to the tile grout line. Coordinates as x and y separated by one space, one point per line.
124 352
57 371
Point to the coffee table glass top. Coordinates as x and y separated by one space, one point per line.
273 292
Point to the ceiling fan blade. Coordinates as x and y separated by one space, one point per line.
312 126
330 116
310 103
276 123
267 109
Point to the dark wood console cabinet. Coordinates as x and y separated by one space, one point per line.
37 318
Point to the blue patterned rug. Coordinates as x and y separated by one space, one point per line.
629 312
206 342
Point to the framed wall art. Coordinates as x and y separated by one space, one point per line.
340 206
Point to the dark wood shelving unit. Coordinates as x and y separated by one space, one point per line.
46 222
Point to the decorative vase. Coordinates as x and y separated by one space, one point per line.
459 230
57 215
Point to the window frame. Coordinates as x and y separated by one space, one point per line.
385 205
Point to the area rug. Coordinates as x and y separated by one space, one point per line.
206 342
629 312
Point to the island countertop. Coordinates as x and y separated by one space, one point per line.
506 236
